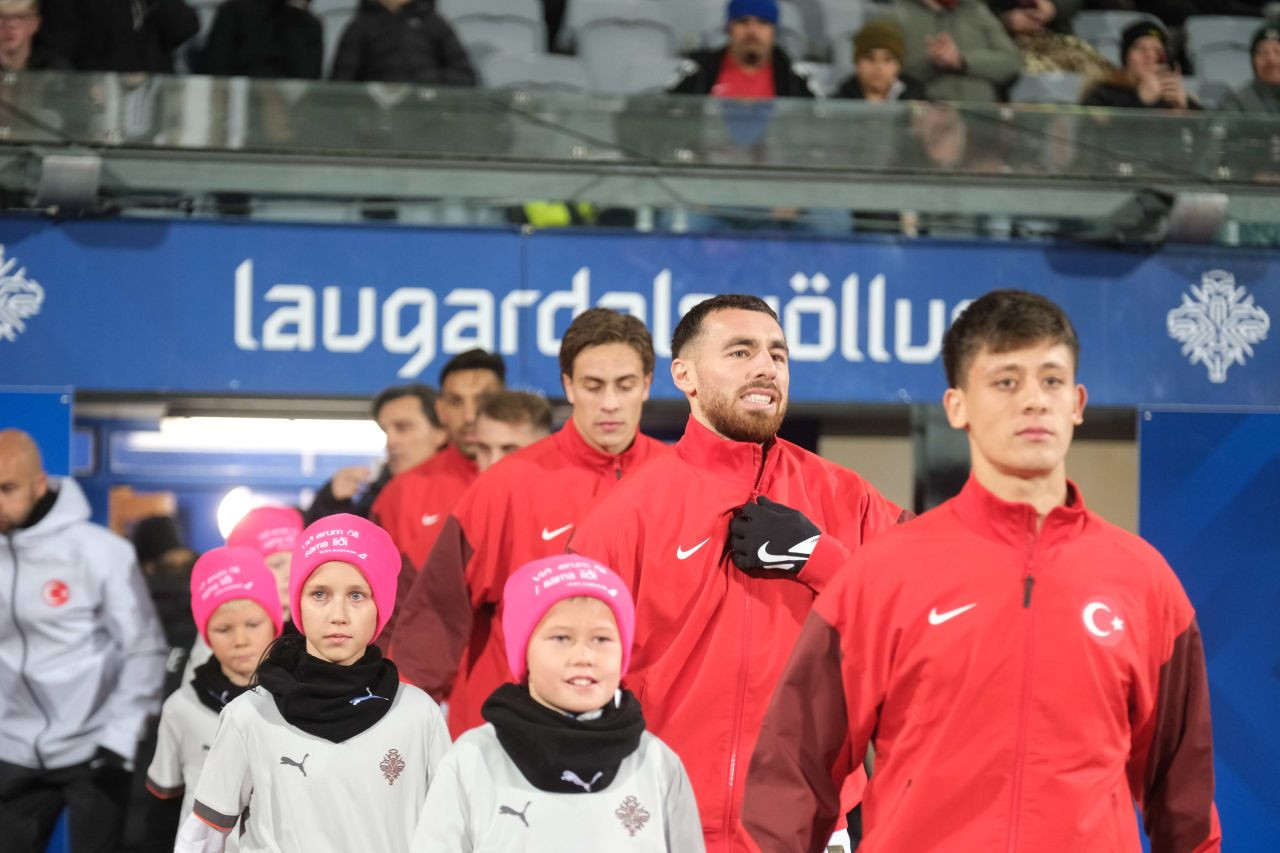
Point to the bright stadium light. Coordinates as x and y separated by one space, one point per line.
235 506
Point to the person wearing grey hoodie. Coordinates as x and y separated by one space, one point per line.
82 660
1262 93
958 49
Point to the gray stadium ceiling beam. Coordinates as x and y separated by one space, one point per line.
194 173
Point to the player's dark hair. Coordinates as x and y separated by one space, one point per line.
690 325
475 359
1001 321
426 396
516 407
597 326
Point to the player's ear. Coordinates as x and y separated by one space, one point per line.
956 407
684 375
1082 397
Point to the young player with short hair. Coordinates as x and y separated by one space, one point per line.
564 762
1024 669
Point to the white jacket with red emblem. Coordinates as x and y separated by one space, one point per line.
81 652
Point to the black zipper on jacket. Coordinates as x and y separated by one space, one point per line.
22 665
1027 584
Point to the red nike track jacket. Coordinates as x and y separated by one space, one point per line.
448 637
414 504
711 640
1021 690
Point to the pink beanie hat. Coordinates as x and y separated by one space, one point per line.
539 585
227 574
267 529
349 539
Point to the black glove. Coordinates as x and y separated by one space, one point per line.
769 535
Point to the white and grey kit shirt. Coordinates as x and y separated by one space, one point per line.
481 803
187 729
306 793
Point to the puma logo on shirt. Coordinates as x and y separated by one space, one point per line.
570 776
508 810
284 759
359 699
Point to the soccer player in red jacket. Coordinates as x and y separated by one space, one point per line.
1024 669
448 638
725 543
414 504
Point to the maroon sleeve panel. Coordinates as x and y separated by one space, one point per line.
792 799
435 617
1177 780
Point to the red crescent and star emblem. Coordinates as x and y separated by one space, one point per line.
1103 620
56 593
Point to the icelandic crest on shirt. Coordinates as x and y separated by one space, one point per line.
633 815
392 765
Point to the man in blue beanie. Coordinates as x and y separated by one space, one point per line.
751 65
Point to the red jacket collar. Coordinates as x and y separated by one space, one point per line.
571 443
741 462
448 460
984 513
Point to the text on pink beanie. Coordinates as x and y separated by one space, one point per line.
535 587
345 538
227 574
268 529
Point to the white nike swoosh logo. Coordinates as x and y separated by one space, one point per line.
548 535
428 520
936 618
682 554
803 548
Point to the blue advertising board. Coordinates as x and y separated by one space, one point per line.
211 307
1208 500
45 415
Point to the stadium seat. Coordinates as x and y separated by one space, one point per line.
320 8
1219 47
843 22
1229 66
638 75
1052 88
1103 29
823 74
540 71
1210 93
605 33
496 26
335 23
1209 32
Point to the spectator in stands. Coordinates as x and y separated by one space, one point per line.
407 414
119 35
402 41
1147 79
19 51
877 60
1044 48
1262 93
82 660
957 49
1054 15
265 38
751 65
